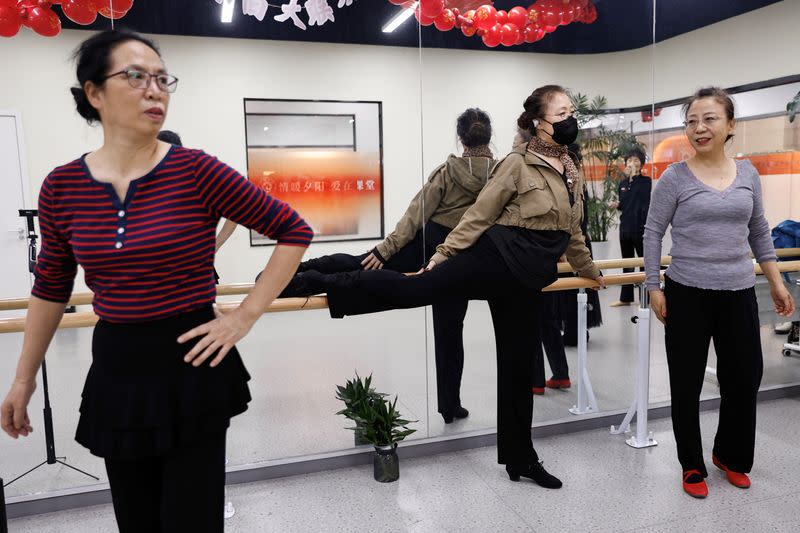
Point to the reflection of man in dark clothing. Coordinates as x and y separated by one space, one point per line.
634 202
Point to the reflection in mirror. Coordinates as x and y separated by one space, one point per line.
602 56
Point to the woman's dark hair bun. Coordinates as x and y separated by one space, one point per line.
474 127
85 109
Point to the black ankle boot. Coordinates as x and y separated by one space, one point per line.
460 412
536 472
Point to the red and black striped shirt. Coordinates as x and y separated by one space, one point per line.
151 255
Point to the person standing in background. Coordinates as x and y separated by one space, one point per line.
634 202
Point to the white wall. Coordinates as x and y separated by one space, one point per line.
756 46
216 74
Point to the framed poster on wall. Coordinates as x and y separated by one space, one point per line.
322 157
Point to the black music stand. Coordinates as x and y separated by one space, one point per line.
50 444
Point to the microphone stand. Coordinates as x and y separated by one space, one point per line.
50 444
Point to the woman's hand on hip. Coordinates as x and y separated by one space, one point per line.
217 336
14 411
658 303
784 303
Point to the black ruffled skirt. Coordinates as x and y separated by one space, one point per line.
142 400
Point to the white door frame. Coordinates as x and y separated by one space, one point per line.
23 157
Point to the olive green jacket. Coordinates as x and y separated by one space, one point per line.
451 189
524 191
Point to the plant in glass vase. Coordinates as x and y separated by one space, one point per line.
793 107
384 428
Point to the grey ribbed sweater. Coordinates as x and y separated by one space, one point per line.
712 231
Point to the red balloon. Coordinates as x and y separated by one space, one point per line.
532 34
118 5
79 12
534 18
8 3
550 17
591 13
469 29
550 29
568 15
518 16
423 20
520 37
431 8
44 21
509 34
107 13
485 17
501 17
492 36
446 21
10 21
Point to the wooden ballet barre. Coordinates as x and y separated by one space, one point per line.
634 262
85 319
607 264
85 298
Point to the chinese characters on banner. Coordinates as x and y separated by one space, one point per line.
323 159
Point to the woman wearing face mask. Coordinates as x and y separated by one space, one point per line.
432 214
714 205
504 250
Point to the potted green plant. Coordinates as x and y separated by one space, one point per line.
384 427
356 395
793 107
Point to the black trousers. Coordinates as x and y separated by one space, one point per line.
183 491
695 317
630 245
553 342
478 273
448 316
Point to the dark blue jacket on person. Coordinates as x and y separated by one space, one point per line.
634 202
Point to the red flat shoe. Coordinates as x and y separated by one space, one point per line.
558 383
737 479
539 391
694 485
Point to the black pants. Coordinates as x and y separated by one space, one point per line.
730 318
183 491
478 273
448 317
550 331
630 245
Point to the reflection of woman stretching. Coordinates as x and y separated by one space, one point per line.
433 212
503 250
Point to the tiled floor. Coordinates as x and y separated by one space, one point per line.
607 487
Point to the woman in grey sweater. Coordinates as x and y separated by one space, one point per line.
714 205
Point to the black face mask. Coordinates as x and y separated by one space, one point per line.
564 132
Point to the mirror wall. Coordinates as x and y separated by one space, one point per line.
243 87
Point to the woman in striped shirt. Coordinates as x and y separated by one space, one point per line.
139 216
